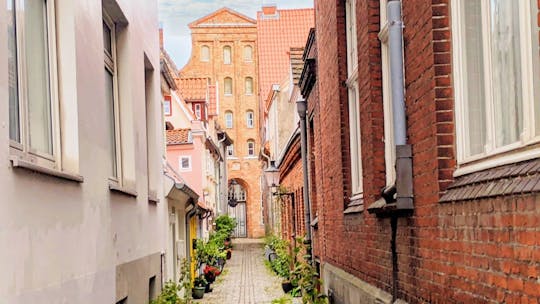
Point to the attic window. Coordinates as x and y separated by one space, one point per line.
269 11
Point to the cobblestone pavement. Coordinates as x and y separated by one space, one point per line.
245 279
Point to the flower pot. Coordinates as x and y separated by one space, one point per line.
286 286
198 292
208 288
229 254
210 278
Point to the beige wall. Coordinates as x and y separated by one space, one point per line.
62 240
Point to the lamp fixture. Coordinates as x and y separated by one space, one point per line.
272 176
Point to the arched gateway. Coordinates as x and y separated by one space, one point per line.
237 206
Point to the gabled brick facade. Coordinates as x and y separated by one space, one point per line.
457 246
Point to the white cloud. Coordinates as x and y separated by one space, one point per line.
175 15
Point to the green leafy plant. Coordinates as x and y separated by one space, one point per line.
225 224
306 277
200 281
171 290
286 299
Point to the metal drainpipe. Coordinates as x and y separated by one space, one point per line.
403 150
223 179
302 111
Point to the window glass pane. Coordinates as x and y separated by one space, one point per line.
249 85
107 39
37 73
109 95
248 53
228 120
228 86
506 66
474 77
536 61
14 132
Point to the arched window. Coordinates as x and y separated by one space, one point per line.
205 53
227 54
227 86
251 147
249 86
248 53
250 119
228 120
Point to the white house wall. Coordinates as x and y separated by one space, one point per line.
69 242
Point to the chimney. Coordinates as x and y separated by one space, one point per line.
269 9
161 37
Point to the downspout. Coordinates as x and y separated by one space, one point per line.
223 178
404 186
302 111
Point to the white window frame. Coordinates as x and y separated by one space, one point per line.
229 121
111 64
227 58
251 150
225 92
354 108
493 157
389 144
22 152
181 164
198 111
205 58
250 119
167 107
230 151
246 57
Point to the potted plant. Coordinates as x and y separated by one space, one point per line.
210 273
199 286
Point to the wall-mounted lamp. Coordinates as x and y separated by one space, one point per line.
272 176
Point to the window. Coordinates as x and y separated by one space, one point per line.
354 109
111 94
497 89
228 86
251 147
205 53
227 55
228 120
249 86
389 147
33 103
248 53
185 163
230 150
198 111
249 119
167 110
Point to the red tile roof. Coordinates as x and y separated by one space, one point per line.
193 89
179 136
276 35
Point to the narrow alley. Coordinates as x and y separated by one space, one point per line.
245 278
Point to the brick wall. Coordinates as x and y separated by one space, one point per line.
473 251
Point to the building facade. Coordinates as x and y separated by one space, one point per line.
224 51
82 191
461 224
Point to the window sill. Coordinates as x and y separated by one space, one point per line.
251 157
114 187
356 204
17 162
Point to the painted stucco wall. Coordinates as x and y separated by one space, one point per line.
61 240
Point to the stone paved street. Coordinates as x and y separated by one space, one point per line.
245 280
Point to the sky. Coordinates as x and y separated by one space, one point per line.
175 15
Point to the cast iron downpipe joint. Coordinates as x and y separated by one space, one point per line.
301 107
404 185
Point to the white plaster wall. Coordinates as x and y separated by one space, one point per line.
61 241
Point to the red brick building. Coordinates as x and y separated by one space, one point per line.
472 108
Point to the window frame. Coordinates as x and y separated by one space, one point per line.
495 156
248 80
355 139
250 150
203 59
227 115
198 111
181 159
167 101
250 121
227 60
225 92
389 143
107 20
21 151
250 58
230 151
